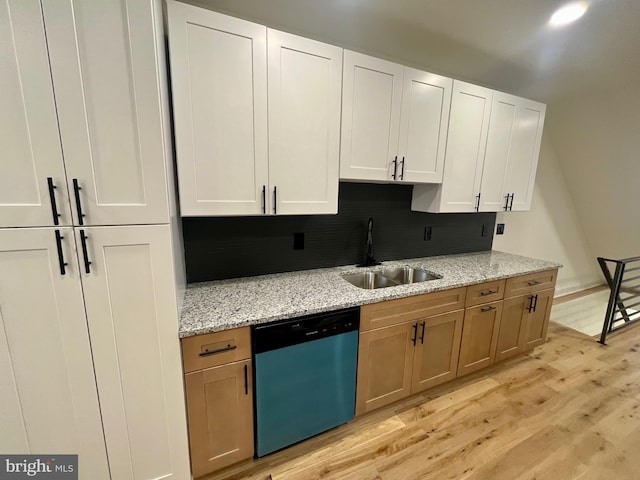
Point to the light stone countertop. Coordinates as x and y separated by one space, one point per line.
224 304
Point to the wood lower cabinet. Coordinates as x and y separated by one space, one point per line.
385 357
397 361
511 333
220 411
437 348
219 388
479 337
535 331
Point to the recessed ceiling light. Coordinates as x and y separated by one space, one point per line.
568 13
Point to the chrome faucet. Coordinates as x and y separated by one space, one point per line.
370 260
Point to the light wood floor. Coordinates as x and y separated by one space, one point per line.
569 410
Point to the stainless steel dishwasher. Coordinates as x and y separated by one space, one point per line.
305 377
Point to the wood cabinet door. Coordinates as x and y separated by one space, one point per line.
304 92
29 140
385 358
424 121
524 153
105 73
512 327
538 320
466 143
48 396
220 411
219 85
437 348
371 98
130 301
479 337
496 159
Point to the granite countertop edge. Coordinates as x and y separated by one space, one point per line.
225 304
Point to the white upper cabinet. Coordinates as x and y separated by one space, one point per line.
48 397
424 120
492 154
466 142
219 84
394 121
131 310
371 102
33 189
226 75
305 79
105 75
524 153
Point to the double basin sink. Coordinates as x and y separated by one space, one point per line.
390 277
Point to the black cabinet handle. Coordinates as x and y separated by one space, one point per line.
85 254
402 170
487 309
395 168
533 283
535 302
76 192
63 264
511 204
54 206
228 348
264 199
423 324
275 200
415 334
246 380
506 203
478 202
488 292
530 308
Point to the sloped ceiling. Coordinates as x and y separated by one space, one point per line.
503 44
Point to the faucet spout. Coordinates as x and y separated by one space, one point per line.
370 259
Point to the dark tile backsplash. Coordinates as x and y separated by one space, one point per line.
227 247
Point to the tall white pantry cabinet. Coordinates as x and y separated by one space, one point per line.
90 267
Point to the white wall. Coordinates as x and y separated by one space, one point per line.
550 230
597 139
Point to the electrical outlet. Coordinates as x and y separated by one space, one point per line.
298 241
500 229
427 233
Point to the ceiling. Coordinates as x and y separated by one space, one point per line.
504 44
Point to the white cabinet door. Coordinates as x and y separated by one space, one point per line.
499 143
131 309
426 101
467 139
304 79
371 98
525 150
105 75
48 397
219 84
29 140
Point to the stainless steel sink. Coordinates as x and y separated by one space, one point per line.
389 277
407 275
369 280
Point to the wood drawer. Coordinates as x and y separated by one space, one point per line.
218 348
533 282
485 293
394 312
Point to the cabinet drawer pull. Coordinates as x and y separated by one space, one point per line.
395 168
54 206
534 283
246 380
264 199
275 200
85 252
228 348
415 334
478 202
488 292
511 204
423 324
487 309
402 170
